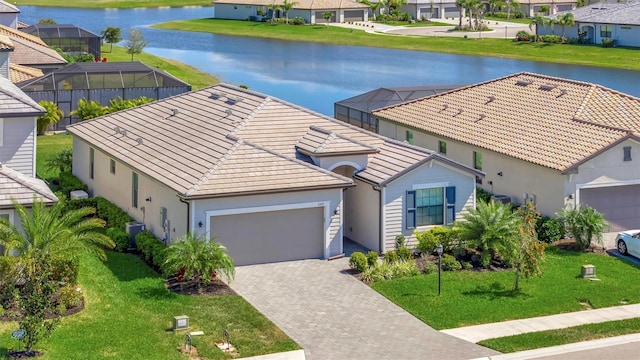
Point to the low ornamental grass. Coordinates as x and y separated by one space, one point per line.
474 297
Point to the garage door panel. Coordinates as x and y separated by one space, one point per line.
263 237
619 204
354 15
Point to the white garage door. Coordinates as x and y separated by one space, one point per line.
264 237
619 204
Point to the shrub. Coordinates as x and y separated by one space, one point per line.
607 43
112 214
70 296
400 241
483 195
69 183
549 229
466 265
523 36
372 258
445 236
553 39
391 257
151 248
449 263
404 253
121 238
358 261
404 268
65 270
381 271
427 241
430 268
298 20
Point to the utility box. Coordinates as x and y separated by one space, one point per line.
133 228
505 199
78 194
180 322
588 271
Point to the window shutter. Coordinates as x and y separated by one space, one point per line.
411 209
450 195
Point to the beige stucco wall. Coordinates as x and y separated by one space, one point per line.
18 144
362 215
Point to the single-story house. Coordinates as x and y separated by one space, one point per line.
310 10
617 21
71 39
443 9
555 142
9 14
270 180
29 50
14 72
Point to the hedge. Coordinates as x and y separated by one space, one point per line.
152 249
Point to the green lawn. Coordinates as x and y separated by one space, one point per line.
593 55
112 3
575 334
525 21
415 24
470 298
128 315
46 147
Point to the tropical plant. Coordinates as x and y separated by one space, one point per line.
51 116
374 5
49 231
119 103
274 9
585 224
528 254
565 20
511 5
491 228
287 6
495 5
61 161
135 42
200 259
327 15
461 5
111 35
89 109
538 21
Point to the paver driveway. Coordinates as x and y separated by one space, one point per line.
334 316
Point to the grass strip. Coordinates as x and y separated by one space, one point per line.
570 335
590 55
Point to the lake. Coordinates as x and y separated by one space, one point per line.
308 74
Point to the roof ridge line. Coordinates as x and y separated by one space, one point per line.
250 117
218 164
337 134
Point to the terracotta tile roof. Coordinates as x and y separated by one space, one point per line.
549 121
302 4
22 188
14 102
17 34
319 142
5 43
224 140
18 73
30 50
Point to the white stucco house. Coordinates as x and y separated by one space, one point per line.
552 141
310 10
270 180
618 21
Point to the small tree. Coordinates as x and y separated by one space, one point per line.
327 15
274 9
51 116
111 35
61 161
564 21
89 109
135 43
47 21
527 254
585 224
287 6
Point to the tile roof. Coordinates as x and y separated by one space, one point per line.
383 97
607 12
22 188
15 102
223 140
30 50
5 43
302 4
319 142
549 121
18 73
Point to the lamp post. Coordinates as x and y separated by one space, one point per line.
439 250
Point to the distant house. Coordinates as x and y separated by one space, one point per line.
554 142
70 39
31 51
311 11
358 110
534 7
270 180
101 82
9 14
616 21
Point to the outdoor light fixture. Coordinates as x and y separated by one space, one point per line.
500 173
439 250
200 224
148 199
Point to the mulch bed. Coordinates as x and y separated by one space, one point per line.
569 244
23 354
70 311
215 288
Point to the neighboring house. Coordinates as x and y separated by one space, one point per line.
101 82
358 110
31 51
70 39
18 115
555 142
310 10
617 21
270 180
9 14
14 72
534 7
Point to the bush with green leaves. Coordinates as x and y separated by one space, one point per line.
552 39
523 36
404 253
483 195
151 248
51 116
65 269
387 271
69 296
89 109
585 224
549 229
427 241
358 261
121 238
69 183
61 161
608 43
112 214
449 263
391 257
372 258
430 267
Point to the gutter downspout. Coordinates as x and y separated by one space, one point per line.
383 195
189 212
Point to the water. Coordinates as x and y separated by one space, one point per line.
313 75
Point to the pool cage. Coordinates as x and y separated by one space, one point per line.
101 82
69 38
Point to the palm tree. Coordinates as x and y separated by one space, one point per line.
538 21
374 5
198 258
287 6
491 227
565 20
273 8
495 4
585 224
461 4
61 161
49 231
51 116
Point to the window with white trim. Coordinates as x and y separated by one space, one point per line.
430 206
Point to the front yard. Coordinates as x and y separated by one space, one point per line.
472 297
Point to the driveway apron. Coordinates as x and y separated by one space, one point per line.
332 315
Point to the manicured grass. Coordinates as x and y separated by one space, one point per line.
415 24
113 3
186 73
624 58
128 314
563 336
46 147
470 298
513 20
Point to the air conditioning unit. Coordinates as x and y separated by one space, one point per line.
133 228
505 199
78 194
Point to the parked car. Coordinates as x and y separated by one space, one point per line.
628 243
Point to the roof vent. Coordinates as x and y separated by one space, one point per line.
175 112
123 132
523 82
482 116
233 99
229 112
215 94
444 107
562 92
117 129
139 140
458 113
547 87
490 98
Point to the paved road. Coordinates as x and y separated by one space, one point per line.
619 352
334 316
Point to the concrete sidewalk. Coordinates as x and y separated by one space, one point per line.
514 327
